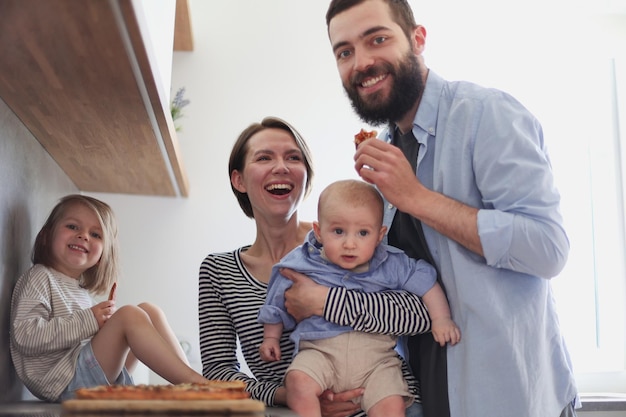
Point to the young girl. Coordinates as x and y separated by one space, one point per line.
60 340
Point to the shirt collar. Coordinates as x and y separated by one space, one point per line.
426 116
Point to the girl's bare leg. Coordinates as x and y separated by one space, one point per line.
303 394
131 328
159 320
131 362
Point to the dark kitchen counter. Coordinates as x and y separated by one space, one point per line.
44 409
591 404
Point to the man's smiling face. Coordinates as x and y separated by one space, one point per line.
379 70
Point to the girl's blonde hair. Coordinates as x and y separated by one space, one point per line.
99 278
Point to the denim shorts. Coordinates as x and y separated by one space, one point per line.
90 374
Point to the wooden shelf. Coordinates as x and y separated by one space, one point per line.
183 35
77 74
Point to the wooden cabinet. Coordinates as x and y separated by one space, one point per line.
77 74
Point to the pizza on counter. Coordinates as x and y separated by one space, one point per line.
212 390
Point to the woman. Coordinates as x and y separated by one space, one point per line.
270 172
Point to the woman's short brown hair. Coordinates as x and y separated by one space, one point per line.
240 149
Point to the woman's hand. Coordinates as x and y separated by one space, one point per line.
304 298
340 404
103 311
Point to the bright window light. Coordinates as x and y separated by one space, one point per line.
591 290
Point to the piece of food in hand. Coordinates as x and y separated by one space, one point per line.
112 292
363 135
211 390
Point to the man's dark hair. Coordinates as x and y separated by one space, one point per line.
401 12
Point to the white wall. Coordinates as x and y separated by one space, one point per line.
156 21
256 58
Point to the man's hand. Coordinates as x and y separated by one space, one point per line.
385 166
304 298
340 404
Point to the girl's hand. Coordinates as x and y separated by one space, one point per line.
103 311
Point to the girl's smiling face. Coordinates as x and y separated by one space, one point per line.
274 175
76 241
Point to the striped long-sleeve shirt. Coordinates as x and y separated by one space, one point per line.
50 321
229 301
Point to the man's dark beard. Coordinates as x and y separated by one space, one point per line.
406 90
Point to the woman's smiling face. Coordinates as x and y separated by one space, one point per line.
274 175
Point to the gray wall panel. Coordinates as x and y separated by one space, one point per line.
30 184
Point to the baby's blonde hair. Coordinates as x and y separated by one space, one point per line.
99 278
353 193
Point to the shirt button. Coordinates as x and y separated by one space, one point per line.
431 130
389 206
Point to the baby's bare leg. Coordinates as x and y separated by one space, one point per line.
392 406
303 394
132 328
